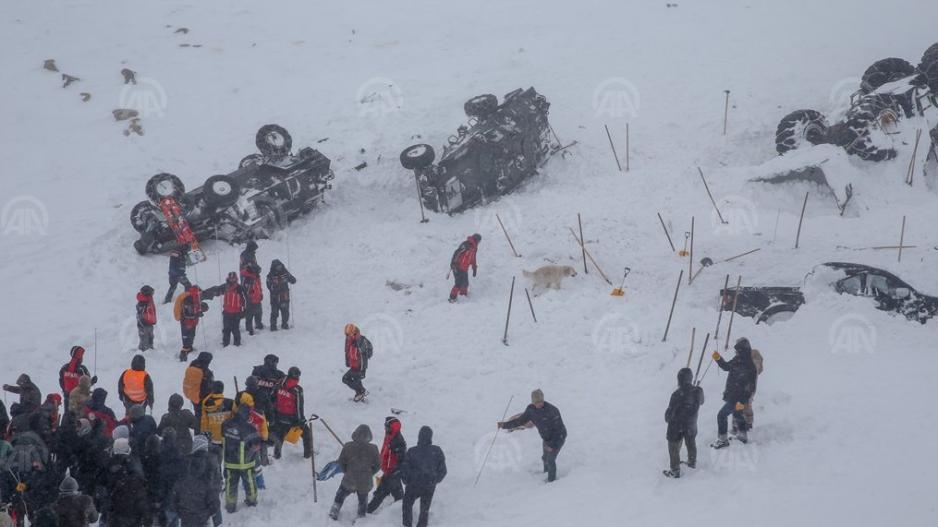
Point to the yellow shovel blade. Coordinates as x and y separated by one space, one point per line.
617 292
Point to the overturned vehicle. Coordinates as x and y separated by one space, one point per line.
891 91
500 146
268 190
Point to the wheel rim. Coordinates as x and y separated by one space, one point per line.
165 188
813 133
416 151
221 188
275 140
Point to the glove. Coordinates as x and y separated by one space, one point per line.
94 380
740 407
474 269
716 355
7 387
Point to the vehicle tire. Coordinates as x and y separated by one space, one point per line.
872 114
481 106
273 140
885 71
800 127
142 214
251 160
417 156
164 185
141 247
929 68
776 314
221 191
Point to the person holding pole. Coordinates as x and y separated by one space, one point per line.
681 417
740 384
546 417
463 259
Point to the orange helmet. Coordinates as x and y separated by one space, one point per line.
351 329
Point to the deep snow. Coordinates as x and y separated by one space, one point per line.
844 413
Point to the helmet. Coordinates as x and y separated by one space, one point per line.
351 329
293 372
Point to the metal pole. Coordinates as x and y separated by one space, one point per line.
801 220
726 283
666 233
579 220
690 260
486 459
613 146
530 304
713 201
726 110
502 225
511 296
901 239
690 354
729 330
680 279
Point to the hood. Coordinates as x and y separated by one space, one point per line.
275 266
204 359
23 380
362 434
743 348
685 377
143 298
84 382
139 363
175 402
425 437
98 396
271 361
77 351
472 241
169 437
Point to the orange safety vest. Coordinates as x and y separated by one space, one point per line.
134 385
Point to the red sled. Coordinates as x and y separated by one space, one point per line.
172 211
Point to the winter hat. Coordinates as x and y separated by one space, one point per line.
146 290
121 447
204 358
293 372
252 246
537 396
271 360
390 423
68 486
199 443
251 382
169 435
136 411
84 427
246 399
23 379
139 363
477 237
742 345
218 387
175 401
120 432
54 399
77 350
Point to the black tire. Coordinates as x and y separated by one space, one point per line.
800 127
164 185
251 160
481 106
273 140
929 68
873 113
221 191
142 214
885 71
417 156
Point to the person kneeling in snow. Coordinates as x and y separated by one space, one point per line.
546 417
681 417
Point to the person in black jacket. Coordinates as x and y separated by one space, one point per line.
423 469
192 499
278 285
181 421
248 255
4 419
71 372
393 451
289 412
740 384
269 380
681 417
177 272
546 417
142 427
241 447
127 505
73 508
30 396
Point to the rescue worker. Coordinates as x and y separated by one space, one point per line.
462 260
135 385
71 372
233 305
358 351
289 413
278 285
177 272
240 444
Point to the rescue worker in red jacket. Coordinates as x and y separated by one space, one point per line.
233 303
254 296
146 318
357 352
288 412
193 308
71 372
135 385
463 259
392 456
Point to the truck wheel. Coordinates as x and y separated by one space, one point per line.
142 214
481 106
873 117
885 71
800 127
251 161
273 140
417 156
164 185
221 191
929 67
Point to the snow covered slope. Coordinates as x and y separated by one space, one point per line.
845 413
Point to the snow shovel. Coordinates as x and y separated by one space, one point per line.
331 468
619 291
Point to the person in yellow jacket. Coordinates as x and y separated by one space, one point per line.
135 386
259 422
216 409
197 382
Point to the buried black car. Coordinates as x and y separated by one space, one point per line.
774 304
268 190
500 146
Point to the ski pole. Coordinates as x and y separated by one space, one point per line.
486 459
703 351
312 457
729 329
726 284
530 304
511 296
705 372
329 428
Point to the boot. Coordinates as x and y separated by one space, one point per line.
742 436
285 325
721 442
672 473
334 511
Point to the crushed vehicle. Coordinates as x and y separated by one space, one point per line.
495 151
268 190
891 91
889 293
